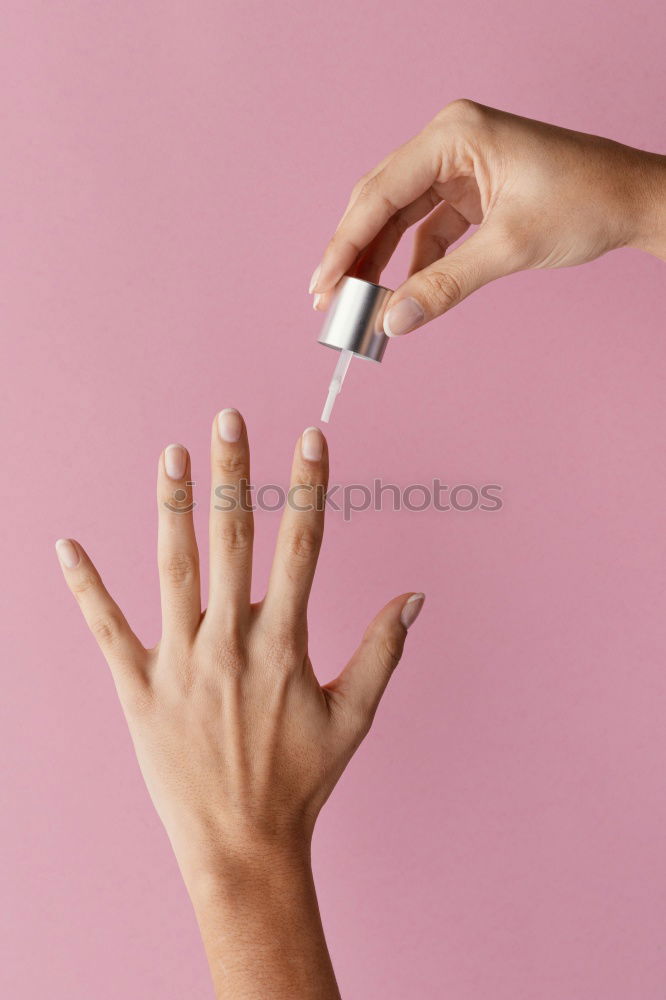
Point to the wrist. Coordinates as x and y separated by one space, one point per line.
215 863
259 919
647 225
253 874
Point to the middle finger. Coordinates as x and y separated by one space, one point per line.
231 528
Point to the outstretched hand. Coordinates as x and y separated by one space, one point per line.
237 741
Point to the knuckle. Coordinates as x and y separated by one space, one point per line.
462 109
235 645
83 585
303 544
388 651
230 655
358 187
106 628
427 238
226 638
285 647
236 535
180 568
341 241
397 225
287 631
441 290
374 188
433 198
233 463
278 640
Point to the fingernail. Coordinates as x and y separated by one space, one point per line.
312 444
230 425
316 300
412 609
175 461
67 553
403 317
314 279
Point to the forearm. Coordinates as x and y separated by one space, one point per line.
261 929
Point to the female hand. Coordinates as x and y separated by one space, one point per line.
238 743
542 197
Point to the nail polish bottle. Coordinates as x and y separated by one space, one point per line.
354 327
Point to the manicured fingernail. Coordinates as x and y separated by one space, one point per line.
67 553
312 444
314 279
230 425
403 317
412 609
175 461
315 302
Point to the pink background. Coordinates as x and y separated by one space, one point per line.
169 175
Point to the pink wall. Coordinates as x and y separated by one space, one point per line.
169 174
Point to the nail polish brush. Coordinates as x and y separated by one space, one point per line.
354 327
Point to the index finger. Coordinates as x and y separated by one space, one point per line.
407 174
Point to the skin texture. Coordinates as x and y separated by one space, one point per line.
238 743
541 197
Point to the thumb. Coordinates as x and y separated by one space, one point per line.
442 285
363 681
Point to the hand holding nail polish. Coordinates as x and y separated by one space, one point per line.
541 196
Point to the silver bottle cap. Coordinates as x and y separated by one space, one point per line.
354 321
